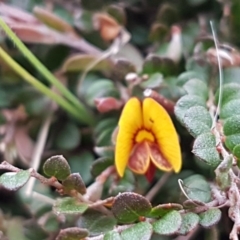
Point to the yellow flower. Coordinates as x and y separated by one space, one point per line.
146 138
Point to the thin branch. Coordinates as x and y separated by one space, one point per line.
118 229
51 181
155 189
38 150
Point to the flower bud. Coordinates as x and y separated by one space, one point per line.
107 104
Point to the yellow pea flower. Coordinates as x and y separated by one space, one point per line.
146 139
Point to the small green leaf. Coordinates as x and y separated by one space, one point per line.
231 129
13 181
74 182
223 180
154 81
100 88
57 166
118 13
157 32
140 231
189 222
210 217
112 236
230 92
236 151
100 165
202 69
80 62
197 120
126 183
69 205
121 68
154 63
105 138
162 209
231 75
168 224
2 119
73 233
105 123
196 87
129 206
186 76
230 109
96 222
81 162
52 20
68 137
186 102
197 188
222 173
204 148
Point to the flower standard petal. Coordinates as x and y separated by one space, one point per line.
157 120
139 160
129 123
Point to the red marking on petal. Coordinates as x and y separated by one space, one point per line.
140 159
157 159
150 172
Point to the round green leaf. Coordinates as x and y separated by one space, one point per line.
196 87
105 123
223 180
112 236
210 217
197 188
68 137
168 224
100 165
186 76
81 162
96 222
236 151
2 119
57 166
13 181
230 109
105 138
69 205
73 233
126 184
100 88
140 231
154 81
186 102
121 68
230 92
158 31
197 120
231 129
204 148
129 206
154 63
74 182
162 209
231 75
118 13
189 222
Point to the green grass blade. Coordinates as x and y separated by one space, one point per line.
44 71
42 88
